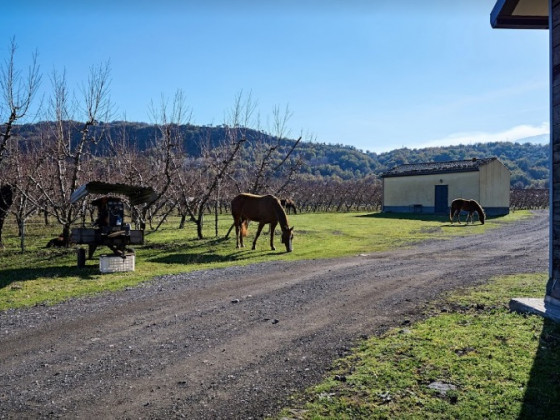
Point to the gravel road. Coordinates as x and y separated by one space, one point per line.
235 342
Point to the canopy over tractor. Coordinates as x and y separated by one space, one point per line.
109 228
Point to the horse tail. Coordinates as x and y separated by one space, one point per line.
451 213
452 209
244 228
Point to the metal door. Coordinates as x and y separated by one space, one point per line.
441 200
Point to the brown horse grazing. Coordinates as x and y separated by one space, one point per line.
289 205
263 209
460 204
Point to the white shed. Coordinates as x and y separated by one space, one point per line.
430 187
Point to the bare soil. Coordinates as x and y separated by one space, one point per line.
236 342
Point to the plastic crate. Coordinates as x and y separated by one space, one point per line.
114 263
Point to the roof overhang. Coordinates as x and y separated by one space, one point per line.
520 14
136 195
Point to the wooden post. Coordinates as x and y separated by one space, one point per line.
553 287
503 16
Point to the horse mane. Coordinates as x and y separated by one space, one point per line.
479 210
280 213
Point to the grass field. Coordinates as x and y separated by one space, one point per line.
473 359
47 275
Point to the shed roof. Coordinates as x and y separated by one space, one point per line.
429 168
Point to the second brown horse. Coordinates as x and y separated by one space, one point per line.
264 209
470 206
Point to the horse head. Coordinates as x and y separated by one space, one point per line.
287 236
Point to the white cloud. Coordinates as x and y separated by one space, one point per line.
518 133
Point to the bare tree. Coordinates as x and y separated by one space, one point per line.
529 198
67 154
17 94
26 167
219 160
167 147
273 155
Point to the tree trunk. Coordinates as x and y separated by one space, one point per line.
182 222
2 217
66 235
200 223
21 228
216 204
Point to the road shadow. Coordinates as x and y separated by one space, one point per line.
192 258
191 244
408 216
462 225
9 276
426 217
542 394
211 258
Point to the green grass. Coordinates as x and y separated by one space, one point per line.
42 275
497 364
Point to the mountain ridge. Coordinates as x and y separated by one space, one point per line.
528 162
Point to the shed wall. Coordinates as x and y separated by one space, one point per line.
494 185
402 193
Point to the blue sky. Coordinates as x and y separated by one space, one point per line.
377 74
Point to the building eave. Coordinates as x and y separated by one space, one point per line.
430 172
520 14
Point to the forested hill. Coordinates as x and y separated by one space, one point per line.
528 162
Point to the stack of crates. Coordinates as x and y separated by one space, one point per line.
115 263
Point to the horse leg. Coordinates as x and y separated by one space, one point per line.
453 214
457 214
237 234
257 235
272 229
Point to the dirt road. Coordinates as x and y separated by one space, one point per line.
234 343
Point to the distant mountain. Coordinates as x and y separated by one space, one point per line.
540 139
528 159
